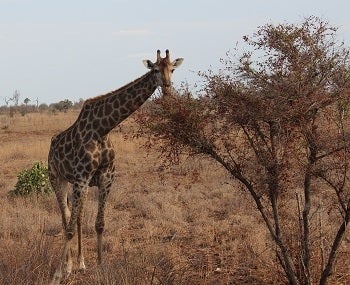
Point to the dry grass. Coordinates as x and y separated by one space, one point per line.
174 226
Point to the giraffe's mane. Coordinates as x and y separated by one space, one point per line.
102 97
121 89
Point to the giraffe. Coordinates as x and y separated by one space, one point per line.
83 154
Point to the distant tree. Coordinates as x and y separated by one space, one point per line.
79 104
26 101
63 105
43 107
7 101
275 119
24 109
14 98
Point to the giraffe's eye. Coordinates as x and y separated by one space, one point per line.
172 70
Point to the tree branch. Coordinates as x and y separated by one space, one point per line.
336 243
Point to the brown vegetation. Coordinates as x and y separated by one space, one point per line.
163 226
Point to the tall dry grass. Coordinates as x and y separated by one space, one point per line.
25 139
189 224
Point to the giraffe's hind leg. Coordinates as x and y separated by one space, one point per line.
104 188
61 188
81 262
62 198
69 228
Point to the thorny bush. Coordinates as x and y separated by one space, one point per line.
275 119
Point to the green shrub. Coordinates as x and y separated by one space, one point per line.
31 181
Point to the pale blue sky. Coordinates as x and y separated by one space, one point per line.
55 50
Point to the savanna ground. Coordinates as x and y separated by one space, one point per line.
188 224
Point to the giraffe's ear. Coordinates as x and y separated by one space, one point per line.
149 64
177 62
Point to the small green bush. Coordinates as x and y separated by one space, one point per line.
31 181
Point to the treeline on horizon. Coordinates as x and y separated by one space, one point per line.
28 107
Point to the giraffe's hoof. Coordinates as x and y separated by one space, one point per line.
69 268
82 270
82 267
56 280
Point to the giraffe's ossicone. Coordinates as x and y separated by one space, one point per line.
83 154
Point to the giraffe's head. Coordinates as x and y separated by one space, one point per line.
164 69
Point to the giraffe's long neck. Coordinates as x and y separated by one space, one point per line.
103 113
